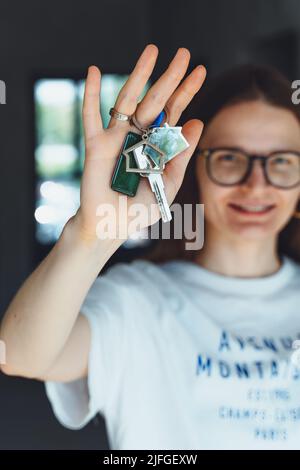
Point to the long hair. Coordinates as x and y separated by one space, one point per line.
239 84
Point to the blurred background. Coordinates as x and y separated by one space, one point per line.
45 49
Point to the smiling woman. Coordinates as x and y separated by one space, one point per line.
162 349
248 110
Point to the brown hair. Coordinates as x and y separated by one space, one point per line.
239 84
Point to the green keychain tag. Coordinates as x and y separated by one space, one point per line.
122 181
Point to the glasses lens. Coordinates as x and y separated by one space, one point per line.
227 166
283 169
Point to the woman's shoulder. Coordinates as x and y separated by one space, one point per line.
139 271
140 278
139 283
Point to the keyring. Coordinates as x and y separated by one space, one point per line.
163 116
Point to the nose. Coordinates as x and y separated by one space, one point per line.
256 177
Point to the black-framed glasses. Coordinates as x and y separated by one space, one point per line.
232 166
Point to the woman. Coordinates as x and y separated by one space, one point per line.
193 352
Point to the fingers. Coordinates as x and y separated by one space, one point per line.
185 93
128 97
92 122
175 169
158 95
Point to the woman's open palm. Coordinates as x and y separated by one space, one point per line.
102 146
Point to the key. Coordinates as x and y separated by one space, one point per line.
156 184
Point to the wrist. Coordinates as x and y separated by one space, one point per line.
90 245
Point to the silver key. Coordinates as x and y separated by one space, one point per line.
156 184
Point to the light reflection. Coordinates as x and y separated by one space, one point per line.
55 92
45 215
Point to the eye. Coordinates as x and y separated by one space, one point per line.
227 157
282 160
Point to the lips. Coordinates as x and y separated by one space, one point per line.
252 209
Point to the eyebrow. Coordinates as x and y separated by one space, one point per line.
242 149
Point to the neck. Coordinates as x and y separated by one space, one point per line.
238 257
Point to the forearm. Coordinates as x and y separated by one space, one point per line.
41 316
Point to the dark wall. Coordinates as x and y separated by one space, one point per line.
64 37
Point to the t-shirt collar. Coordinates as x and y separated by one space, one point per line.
197 274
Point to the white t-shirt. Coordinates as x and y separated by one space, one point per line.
185 358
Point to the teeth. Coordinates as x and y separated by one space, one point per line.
254 208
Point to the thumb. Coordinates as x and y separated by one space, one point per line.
175 169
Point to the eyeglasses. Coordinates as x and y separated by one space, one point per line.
232 166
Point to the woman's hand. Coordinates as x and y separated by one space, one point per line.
103 146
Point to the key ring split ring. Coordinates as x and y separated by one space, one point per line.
163 117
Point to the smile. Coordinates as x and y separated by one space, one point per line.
252 209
